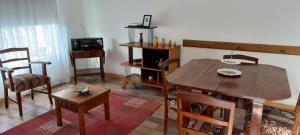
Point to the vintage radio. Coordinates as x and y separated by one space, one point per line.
85 44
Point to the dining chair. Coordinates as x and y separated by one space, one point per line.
195 123
22 82
277 121
170 99
245 60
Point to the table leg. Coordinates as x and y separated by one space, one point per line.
102 68
106 108
81 113
256 118
75 70
58 113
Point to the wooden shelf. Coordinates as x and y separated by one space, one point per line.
127 64
89 71
140 27
147 46
136 78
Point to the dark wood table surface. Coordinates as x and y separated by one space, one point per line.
257 82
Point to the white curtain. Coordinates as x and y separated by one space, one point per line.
36 24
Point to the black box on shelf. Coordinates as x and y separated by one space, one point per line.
86 44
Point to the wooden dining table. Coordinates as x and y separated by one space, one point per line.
258 83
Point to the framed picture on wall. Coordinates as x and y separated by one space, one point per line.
147 20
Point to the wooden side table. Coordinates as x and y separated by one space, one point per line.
68 99
91 71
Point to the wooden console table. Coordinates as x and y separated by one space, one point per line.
92 71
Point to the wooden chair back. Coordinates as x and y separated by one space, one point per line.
297 120
15 50
185 99
242 57
165 72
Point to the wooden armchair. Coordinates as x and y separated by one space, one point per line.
197 124
169 93
166 88
22 82
277 121
245 59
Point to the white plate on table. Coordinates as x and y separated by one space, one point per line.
229 72
231 61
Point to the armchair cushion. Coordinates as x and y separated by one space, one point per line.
275 121
211 129
24 82
195 107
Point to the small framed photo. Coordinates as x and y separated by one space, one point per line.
147 20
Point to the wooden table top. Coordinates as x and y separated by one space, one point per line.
258 82
69 95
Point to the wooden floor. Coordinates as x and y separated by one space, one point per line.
9 118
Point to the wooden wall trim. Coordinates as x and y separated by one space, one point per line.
265 48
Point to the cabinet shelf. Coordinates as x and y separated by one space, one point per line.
148 46
87 72
140 27
136 78
127 64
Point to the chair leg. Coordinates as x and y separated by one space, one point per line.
6 97
166 113
19 102
246 131
49 92
221 112
32 94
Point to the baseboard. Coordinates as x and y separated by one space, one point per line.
280 105
110 75
113 75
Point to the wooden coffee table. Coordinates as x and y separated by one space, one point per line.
81 103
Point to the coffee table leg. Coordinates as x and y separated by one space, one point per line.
58 113
106 108
256 118
81 113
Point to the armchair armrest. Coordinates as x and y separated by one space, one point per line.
40 62
9 70
168 62
9 73
44 68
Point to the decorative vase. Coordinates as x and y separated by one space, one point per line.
169 44
163 43
141 38
155 41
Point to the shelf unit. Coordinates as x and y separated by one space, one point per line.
149 67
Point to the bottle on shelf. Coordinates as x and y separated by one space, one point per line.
155 41
141 38
169 44
163 43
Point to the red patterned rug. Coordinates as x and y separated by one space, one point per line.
126 113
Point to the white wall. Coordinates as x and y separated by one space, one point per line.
72 12
253 21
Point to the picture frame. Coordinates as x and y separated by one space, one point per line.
147 20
